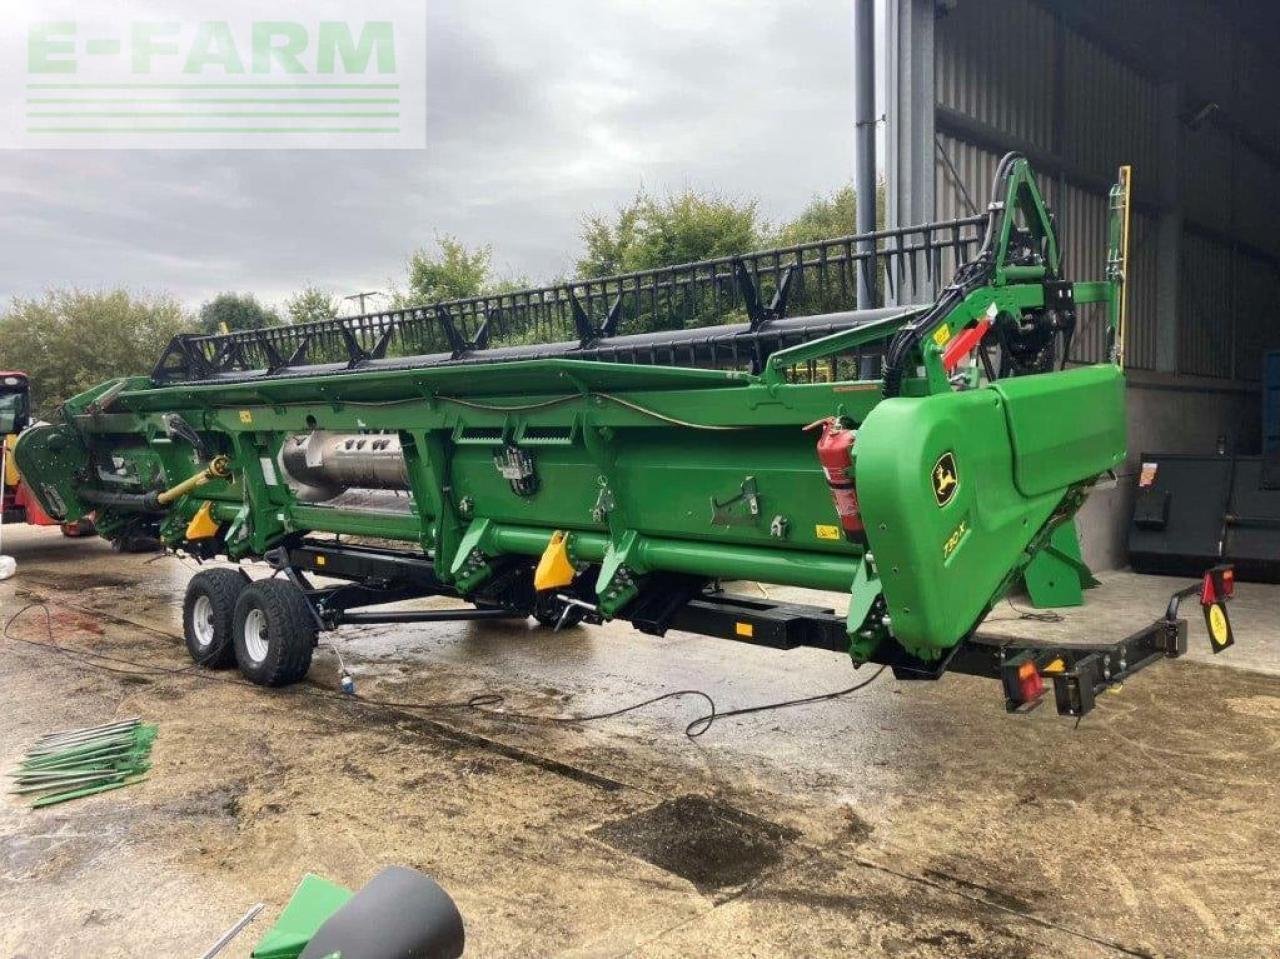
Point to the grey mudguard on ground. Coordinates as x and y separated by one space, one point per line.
399 914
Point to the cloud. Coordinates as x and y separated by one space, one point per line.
537 114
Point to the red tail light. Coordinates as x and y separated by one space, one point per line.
1023 684
1219 585
1030 683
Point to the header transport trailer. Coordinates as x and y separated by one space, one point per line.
615 448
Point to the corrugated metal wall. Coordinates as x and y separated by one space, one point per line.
999 64
1221 283
1258 307
964 191
1006 90
1082 227
1110 112
1140 340
1206 307
1206 178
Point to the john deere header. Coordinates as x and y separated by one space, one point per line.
615 448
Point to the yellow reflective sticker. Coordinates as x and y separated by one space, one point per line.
744 629
827 532
321 560
1218 628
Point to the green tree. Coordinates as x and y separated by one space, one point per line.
650 232
450 272
235 311
825 217
310 304
70 340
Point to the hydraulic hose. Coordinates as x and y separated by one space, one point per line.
137 502
157 501
968 276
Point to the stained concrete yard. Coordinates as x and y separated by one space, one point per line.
905 821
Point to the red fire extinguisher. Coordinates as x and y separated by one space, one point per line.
835 453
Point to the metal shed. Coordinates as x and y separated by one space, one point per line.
1182 90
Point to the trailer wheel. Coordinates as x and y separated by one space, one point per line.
207 613
274 633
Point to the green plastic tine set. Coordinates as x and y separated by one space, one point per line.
83 762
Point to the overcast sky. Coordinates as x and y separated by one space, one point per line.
538 112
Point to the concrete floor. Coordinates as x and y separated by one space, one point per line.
911 820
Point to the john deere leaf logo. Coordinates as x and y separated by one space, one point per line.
945 479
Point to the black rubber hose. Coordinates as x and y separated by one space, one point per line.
967 277
141 502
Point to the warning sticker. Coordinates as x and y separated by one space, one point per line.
942 335
1147 478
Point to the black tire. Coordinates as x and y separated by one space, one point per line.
222 588
283 633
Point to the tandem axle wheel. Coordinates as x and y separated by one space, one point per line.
266 628
269 628
274 630
207 612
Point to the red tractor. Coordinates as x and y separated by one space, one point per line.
16 501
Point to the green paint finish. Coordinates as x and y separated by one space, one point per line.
947 517
50 458
1061 422
59 798
655 469
1057 577
405 527
642 493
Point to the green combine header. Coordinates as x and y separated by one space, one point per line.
616 448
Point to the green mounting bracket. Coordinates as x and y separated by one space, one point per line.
864 637
1058 576
616 584
471 567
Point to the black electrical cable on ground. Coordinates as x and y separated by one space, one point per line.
486 704
1045 616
